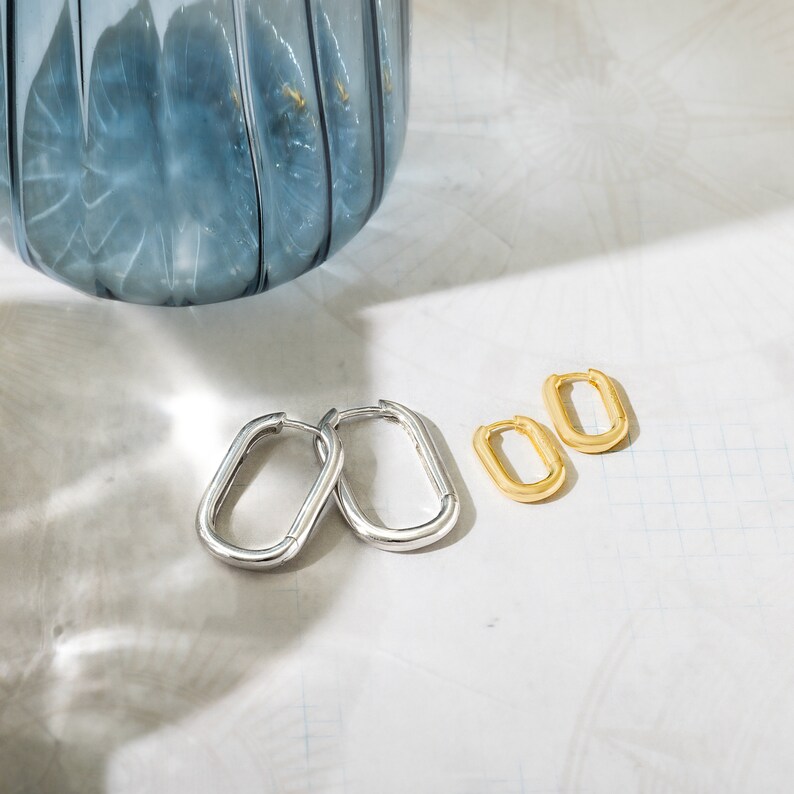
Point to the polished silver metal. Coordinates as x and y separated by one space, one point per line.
296 538
378 535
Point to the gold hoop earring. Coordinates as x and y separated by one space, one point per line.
521 491
586 442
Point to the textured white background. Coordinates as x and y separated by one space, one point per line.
604 183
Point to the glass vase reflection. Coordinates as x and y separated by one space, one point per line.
174 153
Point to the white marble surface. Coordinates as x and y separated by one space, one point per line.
585 184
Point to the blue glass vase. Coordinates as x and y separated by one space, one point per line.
177 153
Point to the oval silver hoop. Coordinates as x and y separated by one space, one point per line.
378 535
303 525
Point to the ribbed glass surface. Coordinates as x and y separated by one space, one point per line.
179 153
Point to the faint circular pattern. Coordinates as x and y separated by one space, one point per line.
38 343
657 736
601 120
100 721
7 313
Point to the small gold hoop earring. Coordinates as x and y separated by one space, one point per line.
521 491
586 442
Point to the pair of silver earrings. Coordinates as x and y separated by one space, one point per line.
331 479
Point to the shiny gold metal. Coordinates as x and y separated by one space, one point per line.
521 491
586 442
295 96
341 90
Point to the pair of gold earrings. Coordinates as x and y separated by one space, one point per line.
545 447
